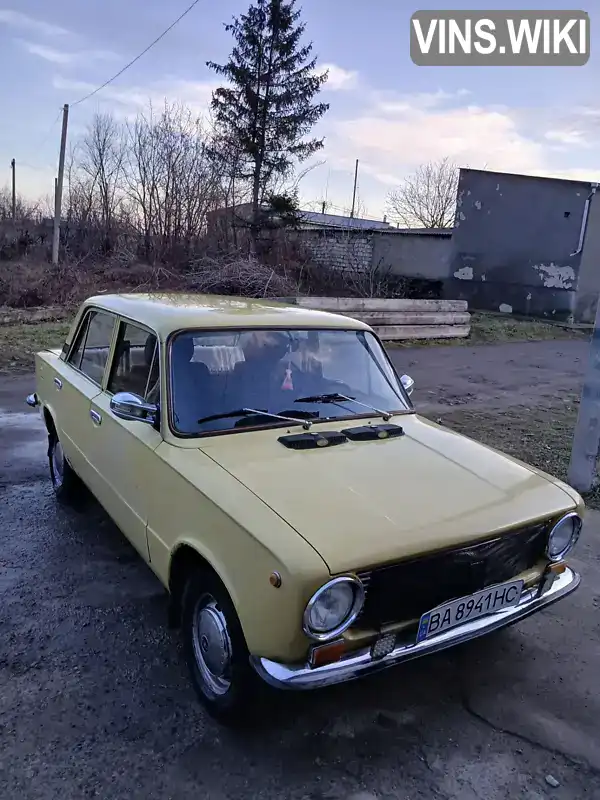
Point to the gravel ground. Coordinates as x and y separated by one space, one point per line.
95 700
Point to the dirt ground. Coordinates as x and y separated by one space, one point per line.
494 377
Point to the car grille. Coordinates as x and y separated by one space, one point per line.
408 589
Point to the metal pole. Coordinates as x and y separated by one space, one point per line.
354 192
59 185
586 440
14 190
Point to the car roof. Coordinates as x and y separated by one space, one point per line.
168 312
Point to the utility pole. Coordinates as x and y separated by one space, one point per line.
14 190
59 185
354 192
586 440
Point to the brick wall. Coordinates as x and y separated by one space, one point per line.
339 249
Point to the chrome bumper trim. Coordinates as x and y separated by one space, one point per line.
360 663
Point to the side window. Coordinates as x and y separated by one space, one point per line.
90 353
135 364
75 357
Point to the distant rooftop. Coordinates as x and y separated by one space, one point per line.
339 221
425 231
315 218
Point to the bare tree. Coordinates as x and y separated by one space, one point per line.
100 165
427 198
26 210
171 179
360 209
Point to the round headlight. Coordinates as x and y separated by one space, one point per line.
563 536
333 608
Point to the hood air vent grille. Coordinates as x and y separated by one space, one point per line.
367 433
309 441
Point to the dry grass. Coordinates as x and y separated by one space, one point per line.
540 436
19 343
32 284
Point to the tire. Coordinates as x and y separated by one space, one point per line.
216 651
65 482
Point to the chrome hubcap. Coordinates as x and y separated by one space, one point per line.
58 463
212 646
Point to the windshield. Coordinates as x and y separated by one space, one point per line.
304 374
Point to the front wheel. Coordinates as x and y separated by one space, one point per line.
65 482
216 650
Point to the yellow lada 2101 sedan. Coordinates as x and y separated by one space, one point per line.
267 463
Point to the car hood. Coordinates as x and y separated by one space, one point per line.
365 503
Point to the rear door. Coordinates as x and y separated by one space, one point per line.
82 380
122 448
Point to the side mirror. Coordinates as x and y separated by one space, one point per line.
127 405
408 384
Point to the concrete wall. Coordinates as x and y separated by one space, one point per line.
415 255
412 255
513 242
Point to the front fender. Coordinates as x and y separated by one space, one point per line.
270 616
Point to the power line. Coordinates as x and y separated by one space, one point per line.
137 58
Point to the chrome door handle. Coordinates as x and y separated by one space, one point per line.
58 383
96 417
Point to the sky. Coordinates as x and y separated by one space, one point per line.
385 111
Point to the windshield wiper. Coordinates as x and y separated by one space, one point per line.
335 397
247 412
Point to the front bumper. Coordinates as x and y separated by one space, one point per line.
360 663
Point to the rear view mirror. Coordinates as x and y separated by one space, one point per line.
408 384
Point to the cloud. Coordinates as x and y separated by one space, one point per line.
339 79
127 101
17 20
391 134
392 103
63 57
393 137
567 137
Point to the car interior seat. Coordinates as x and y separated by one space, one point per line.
191 381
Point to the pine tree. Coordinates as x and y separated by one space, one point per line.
266 109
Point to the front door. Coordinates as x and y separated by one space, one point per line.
122 447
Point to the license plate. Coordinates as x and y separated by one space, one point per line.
450 615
